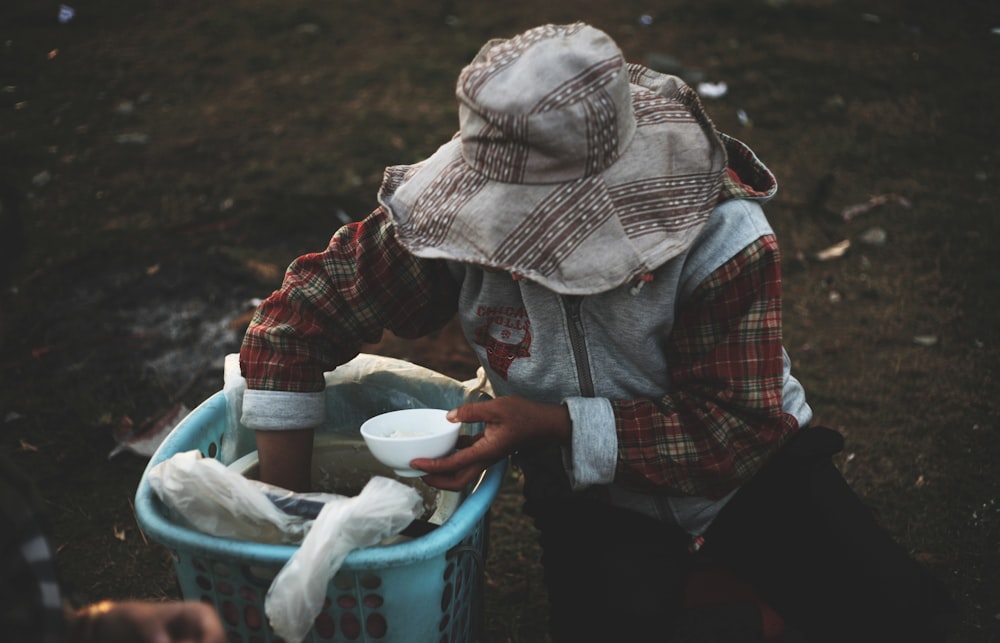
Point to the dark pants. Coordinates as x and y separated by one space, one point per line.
796 533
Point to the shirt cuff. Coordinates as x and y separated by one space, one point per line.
283 410
592 455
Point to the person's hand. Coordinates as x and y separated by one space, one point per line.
147 622
512 424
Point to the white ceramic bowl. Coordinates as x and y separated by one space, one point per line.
397 437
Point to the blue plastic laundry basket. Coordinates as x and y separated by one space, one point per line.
425 589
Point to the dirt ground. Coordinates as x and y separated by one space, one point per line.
173 157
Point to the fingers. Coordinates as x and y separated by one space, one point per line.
472 412
464 457
202 624
454 480
455 471
154 622
185 622
466 441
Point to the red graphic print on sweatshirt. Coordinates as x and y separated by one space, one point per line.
505 335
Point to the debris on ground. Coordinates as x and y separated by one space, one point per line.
835 251
145 440
712 90
850 212
875 236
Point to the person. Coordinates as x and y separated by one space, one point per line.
33 608
606 252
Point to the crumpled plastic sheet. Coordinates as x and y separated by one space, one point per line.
382 509
209 497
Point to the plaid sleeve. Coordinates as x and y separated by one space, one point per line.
723 417
31 602
332 302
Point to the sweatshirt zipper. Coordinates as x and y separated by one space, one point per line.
571 304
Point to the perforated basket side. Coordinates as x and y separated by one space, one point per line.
437 599
426 589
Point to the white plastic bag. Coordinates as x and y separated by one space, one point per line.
237 440
383 508
213 499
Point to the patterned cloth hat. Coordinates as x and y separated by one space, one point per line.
571 168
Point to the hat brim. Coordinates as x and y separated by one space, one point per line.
578 237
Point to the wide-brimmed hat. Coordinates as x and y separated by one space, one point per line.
571 167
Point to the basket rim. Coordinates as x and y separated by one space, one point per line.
149 511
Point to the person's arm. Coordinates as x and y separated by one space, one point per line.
329 304
284 458
722 418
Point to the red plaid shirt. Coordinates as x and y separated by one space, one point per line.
713 430
334 301
722 417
